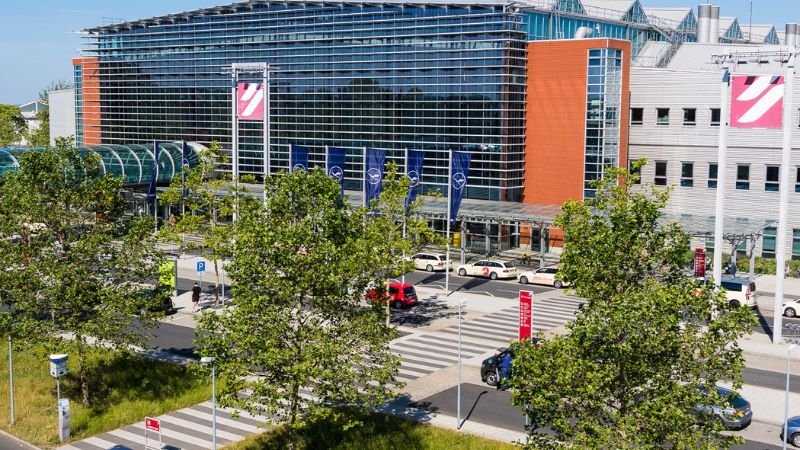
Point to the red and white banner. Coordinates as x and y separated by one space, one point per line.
525 315
250 101
699 263
756 101
152 424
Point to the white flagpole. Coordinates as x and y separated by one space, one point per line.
447 225
291 152
404 217
235 137
722 156
327 167
366 203
266 89
155 184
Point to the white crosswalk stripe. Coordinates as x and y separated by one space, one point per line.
430 352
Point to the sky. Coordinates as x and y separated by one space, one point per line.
38 38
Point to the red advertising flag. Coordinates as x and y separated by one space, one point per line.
525 315
250 101
756 101
699 263
152 424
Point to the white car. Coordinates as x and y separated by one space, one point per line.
430 261
545 275
791 308
487 268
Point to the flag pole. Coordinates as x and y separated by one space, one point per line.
405 216
155 184
235 138
266 89
364 170
447 225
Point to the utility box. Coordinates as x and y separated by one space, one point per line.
58 365
63 419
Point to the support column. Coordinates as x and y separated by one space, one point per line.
488 240
542 246
752 263
463 242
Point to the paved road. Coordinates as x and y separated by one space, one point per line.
477 285
9 443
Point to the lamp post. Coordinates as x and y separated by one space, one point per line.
461 304
209 360
786 401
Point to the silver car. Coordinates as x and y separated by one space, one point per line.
734 415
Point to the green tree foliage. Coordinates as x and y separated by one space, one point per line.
649 343
12 125
78 269
205 213
301 266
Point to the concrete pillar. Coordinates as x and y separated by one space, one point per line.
542 245
463 242
752 262
488 240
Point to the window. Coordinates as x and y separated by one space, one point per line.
661 173
797 181
687 174
772 183
712 175
709 244
636 172
715 115
768 242
662 116
796 243
689 116
743 177
637 116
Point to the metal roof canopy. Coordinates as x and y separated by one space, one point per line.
737 228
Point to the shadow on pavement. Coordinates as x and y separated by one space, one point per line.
423 313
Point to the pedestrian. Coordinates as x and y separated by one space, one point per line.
505 371
195 296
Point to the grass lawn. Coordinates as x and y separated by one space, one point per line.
124 389
378 432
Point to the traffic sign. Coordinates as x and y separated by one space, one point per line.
525 314
201 266
152 424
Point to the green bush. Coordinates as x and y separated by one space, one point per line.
765 266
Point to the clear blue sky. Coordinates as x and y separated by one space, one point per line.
37 39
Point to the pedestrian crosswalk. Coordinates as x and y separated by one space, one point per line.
188 429
426 353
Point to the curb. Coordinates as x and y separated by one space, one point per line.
19 440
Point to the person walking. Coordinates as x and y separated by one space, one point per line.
195 296
505 371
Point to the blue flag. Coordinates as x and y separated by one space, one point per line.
184 168
373 175
151 188
335 166
298 157
459 169
414 161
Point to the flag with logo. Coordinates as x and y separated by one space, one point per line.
184 168
250 101
298 156
756 101
414 161
151 188
335 166
373 174
459 170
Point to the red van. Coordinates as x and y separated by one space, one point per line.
402 295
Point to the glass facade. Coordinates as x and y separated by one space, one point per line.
603 104
78 75
348 75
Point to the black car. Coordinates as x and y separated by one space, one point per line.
490 366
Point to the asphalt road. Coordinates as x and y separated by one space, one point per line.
477 285
9 443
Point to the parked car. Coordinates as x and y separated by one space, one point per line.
490 366
401 295
487 268
735 413
740 291
792 431
545 275
430 261
791 308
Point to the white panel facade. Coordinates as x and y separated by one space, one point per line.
675 142
62 113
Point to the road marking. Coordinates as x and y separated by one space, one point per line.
98 442
223 421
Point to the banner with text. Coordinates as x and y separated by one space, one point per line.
525 315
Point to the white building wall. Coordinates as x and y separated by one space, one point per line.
676 143
62 113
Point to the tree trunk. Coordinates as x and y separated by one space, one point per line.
84 380
295 403
216 273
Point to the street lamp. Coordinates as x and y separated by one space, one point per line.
461 304
786 401
209 360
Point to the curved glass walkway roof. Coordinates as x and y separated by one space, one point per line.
132 162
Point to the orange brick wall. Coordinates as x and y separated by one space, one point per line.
556 117
91 99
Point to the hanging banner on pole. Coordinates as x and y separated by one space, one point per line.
335 166
459 168
756 101
699 263
373 174
250 104
525 315
414 161
298 156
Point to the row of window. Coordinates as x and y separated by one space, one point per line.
771 178
689 116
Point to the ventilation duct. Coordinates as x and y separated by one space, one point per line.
791 35
703 23
583 32
713 26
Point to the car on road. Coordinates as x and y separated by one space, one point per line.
430 262
792 431
401 295
544 275
740 291
734 413
791 308
490 366
489 268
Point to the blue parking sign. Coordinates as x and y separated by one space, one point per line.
201 266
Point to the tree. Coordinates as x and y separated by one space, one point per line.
207 210
649 346
85 272
12 125
302 335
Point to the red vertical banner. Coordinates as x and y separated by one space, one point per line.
525 315
699 263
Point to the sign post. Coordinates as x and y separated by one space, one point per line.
58 368
201 267
154 425
525 315
699 263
